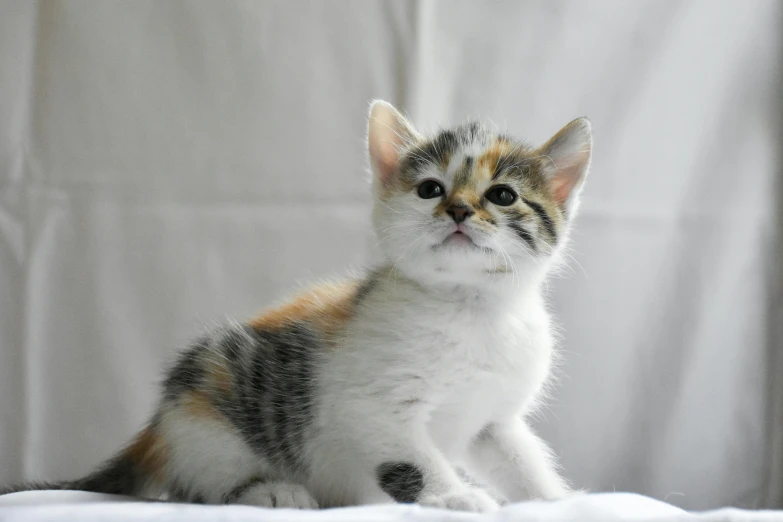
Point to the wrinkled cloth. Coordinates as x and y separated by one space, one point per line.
90 507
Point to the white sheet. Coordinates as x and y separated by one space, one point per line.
89 507
164 164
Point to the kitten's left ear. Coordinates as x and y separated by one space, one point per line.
570 151
388 133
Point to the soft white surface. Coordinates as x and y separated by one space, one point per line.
90 507
167 163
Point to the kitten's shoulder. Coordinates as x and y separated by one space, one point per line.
326 306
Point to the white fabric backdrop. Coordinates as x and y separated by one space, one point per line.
164 164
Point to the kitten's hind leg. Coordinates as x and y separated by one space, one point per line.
209 462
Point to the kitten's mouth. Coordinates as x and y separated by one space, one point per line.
459 238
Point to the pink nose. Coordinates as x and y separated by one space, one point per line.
459 213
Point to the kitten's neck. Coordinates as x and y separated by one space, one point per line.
496 290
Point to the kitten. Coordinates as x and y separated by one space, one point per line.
376 389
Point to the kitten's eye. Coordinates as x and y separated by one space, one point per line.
430 189
502 196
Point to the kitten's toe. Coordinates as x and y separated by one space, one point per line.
473 499
280 495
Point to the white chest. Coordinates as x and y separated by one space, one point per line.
486 382
462 366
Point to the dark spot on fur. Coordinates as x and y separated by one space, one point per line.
402 481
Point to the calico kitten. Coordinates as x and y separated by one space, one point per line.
376 389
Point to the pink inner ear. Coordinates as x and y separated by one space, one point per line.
386 157
569 150
564 182
388 132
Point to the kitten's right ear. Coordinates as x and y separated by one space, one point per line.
388 134
569 151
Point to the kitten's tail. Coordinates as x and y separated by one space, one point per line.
135 470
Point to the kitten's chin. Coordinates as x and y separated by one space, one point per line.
458 263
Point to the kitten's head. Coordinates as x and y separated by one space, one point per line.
468 206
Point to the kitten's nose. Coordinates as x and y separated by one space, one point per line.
459 212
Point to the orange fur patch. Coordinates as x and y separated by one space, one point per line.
148 452
326 307
488 161
198 406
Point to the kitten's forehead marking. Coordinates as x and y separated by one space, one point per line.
463 168
491 157
459 169
468 156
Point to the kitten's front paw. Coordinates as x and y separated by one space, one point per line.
278 495
473 499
